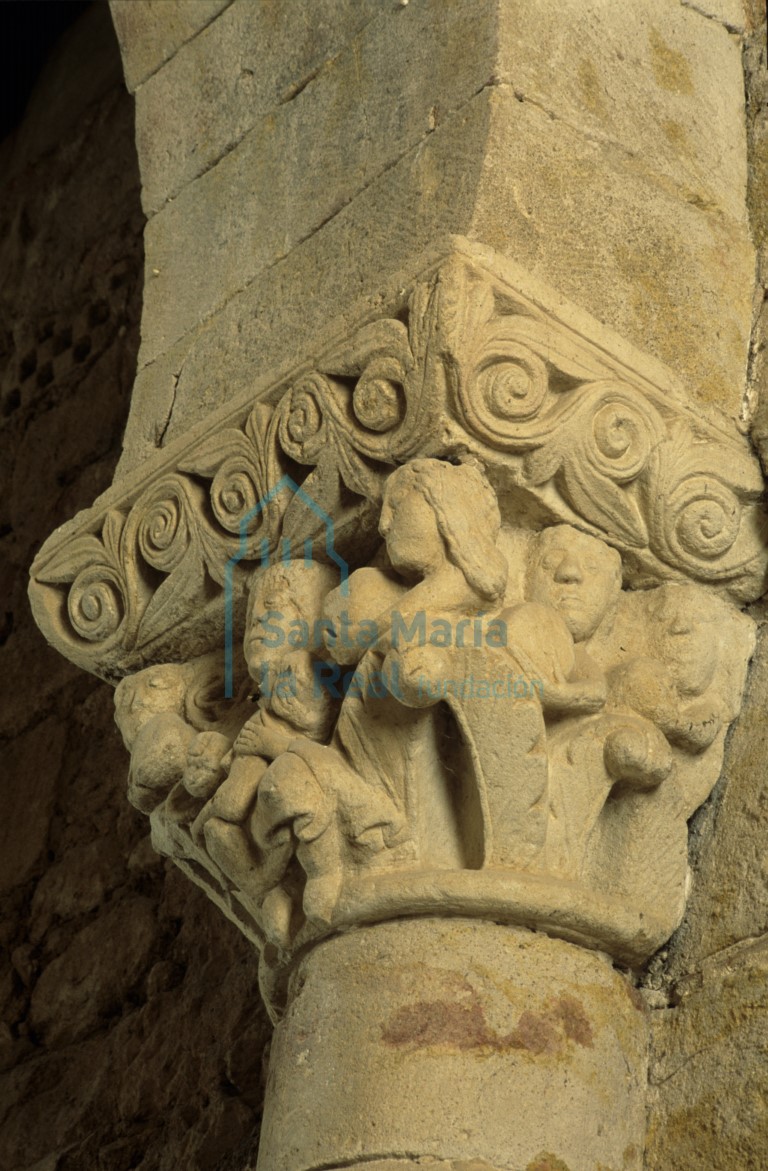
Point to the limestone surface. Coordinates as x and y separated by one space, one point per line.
466 1045
488 456
617 173
109 1055
151 31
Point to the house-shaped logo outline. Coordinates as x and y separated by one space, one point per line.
330 549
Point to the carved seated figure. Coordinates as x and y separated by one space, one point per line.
443 645
352 806
377 793
168 733
440 523
672 685
289 813
169 716
289 707
574 582
625 781
312 808
578 577
688 679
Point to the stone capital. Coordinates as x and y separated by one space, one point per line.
441 624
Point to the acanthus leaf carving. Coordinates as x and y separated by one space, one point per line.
475 366
82 552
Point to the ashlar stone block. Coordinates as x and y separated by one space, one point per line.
151 31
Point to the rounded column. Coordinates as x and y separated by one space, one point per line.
460 1041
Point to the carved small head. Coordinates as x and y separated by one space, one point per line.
282 594
685 635
435 512
577 575
149 693
204 764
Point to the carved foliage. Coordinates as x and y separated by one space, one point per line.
474 365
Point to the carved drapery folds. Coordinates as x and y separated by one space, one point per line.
491 646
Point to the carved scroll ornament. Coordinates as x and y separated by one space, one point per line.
478 719
475 363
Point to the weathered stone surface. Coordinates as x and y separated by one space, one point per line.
253 59
171 1076
28 792
242 455
756 76
611 755
302 163
151 31
734 15
70 245
76 884
729 899
638 144
96 973
649 286
632 253
629 154
708 1092
425 1032
651 82
709 1070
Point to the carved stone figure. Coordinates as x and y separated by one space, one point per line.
169 726
525 691
440 524
149 709
500 718
289 706
417 720
579 576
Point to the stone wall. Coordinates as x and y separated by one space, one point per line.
617 170
709 1073
131 1034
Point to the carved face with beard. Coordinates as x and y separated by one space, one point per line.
286 604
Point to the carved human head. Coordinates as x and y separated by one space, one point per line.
282 594
434 512
685 635
577 575
204 767
149 693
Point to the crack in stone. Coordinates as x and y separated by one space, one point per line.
298 87
291 93
731 28
221 306
397 1157
160 432
661 181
